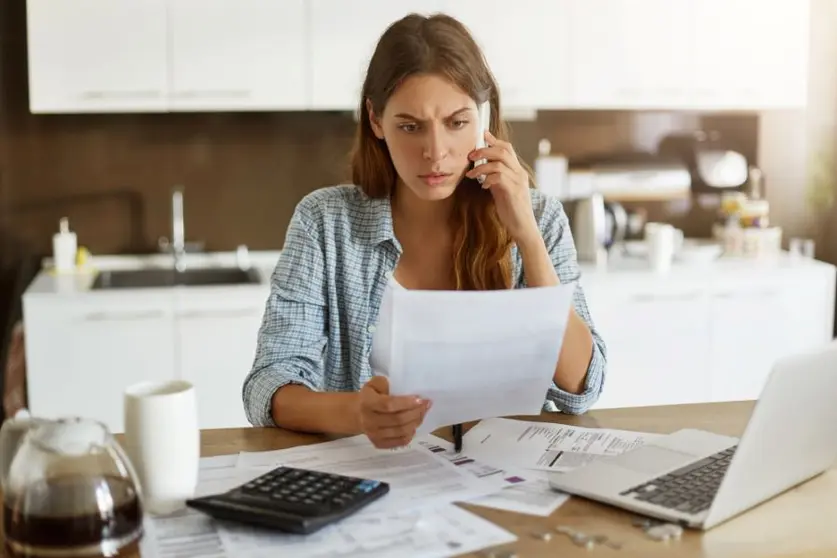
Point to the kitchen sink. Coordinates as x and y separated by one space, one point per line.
149 278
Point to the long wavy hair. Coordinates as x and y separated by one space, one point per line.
440 45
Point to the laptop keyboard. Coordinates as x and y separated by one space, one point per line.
689 489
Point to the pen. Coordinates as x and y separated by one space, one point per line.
457 437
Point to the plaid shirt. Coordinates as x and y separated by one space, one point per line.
327 287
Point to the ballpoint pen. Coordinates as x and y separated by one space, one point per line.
457 437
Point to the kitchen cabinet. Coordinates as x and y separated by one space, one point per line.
630 54
83 352
237 55
97 56
216 340
526 47
656 337
343 37
689 54
710 335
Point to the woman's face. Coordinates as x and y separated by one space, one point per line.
430 126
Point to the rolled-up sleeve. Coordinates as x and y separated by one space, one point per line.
559 241
292 336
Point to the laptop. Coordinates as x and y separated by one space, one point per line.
699 479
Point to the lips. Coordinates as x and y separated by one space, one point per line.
435 178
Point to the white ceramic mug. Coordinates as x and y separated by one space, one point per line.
162 440
662 244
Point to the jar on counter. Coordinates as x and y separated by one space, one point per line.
755 214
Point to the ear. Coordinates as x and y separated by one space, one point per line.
374 121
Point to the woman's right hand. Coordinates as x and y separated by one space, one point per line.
389 421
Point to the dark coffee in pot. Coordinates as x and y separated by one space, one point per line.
73 516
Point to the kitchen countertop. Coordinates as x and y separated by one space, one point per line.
47 282
628 269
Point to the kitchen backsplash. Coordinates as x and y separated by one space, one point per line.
243 173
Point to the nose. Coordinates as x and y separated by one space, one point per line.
435 147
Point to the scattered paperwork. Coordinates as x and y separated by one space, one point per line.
417 478
546 446
425 531
522 492
476 354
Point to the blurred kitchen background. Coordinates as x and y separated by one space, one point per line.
107 105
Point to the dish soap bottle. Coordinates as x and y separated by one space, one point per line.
64 246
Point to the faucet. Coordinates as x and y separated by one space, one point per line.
178 234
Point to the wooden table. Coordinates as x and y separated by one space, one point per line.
799 523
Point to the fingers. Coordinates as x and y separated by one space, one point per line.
495 153
379 384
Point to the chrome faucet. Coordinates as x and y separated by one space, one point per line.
178 234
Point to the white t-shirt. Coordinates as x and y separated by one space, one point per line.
381 344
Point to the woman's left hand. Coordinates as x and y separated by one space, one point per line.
509 184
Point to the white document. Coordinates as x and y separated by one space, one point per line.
525 492
546 446
476 354
419 533
416 477
188 533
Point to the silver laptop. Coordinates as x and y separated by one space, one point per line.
700 479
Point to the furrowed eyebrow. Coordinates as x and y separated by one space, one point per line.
411 117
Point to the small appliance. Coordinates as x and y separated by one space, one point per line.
714 164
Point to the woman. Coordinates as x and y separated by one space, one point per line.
415 217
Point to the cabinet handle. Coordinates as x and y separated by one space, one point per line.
210 94
747 294
105 95
673 297
124 316
230 313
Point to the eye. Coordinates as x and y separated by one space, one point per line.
409 127
457 124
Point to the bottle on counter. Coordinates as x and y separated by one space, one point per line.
64 247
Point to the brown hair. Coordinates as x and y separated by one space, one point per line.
441 45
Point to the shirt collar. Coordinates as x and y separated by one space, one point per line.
379 228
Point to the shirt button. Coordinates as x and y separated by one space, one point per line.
388 275
371 329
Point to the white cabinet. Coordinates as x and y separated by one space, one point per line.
656 337
628 54
712 334
342 40
83 352
689 54
216 340
97 55
750 54
526 47
237 55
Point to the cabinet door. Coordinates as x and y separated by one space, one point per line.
238 54
97 56
526 46
628 54
83 353
216 338
751 54
343 38
749 325
657 338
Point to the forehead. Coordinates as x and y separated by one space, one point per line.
428 96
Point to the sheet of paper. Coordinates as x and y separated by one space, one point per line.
416 476
420 533
546 446
188 533
523 492
476 354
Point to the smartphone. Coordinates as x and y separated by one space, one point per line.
484 117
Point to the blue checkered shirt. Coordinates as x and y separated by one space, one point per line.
327 287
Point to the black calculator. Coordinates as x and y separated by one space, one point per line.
292 500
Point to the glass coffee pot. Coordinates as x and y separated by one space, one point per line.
68 489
